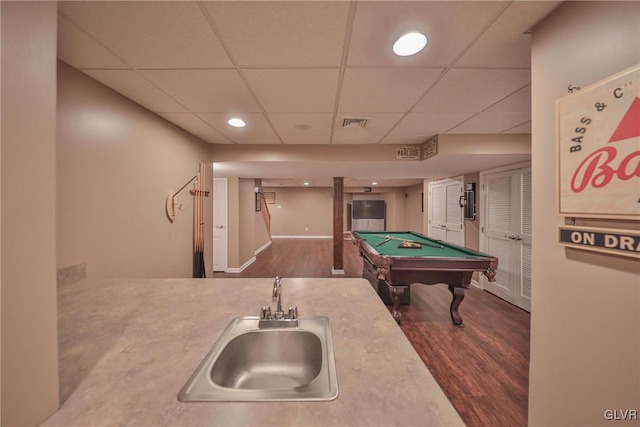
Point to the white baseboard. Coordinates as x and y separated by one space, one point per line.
241 269
337 271
262 248
302 237
476 284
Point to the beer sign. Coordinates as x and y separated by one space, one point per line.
611 241
598 145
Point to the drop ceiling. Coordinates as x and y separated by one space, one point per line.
294 71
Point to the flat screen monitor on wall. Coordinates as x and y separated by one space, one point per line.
368 209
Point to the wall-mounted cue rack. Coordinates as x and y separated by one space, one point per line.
173 207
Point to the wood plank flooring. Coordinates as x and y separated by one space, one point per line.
482 368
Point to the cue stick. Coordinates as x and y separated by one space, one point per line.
199 198
383 242
201 269
195 229
202 206
200 210
413 241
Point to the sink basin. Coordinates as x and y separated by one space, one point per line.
249 363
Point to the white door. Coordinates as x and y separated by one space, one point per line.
220 236
507 234
445 212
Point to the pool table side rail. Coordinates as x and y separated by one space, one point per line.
478 262
471 252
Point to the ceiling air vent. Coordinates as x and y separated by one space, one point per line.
354 122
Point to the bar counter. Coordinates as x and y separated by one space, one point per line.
128 346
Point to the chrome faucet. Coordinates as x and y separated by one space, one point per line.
277 297
279 318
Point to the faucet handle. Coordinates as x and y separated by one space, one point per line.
265 313
293 312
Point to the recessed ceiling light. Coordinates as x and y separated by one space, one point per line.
236 122
409 44
306 183
374 183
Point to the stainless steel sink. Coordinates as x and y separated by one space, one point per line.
249 363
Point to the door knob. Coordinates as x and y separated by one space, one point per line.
219 226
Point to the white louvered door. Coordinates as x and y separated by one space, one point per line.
454 222
437 212
507 234
445 213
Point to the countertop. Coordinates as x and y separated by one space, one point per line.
128 346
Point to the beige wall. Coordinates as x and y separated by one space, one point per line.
414 219
585 322
395 204
309 211
302 211
117 162
233 211
447 144
29 314
247 219
261 236
247 230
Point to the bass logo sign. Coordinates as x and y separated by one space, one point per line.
599 149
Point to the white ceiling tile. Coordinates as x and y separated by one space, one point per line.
384 90
290 54
428 123
215 139
81 51
299 90
519 101
471 90
523 128
305 140
132 85
282 34
205 91
302 125
189 122
504 44
151 34
450 26
491 123
257 130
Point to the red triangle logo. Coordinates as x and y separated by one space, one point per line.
629 126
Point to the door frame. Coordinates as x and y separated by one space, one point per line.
225 225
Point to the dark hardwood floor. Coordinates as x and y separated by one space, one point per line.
482 368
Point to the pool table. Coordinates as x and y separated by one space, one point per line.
400 258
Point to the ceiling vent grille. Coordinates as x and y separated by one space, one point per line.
354 122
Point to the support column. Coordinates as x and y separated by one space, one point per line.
338 225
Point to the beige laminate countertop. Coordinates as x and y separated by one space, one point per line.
128 347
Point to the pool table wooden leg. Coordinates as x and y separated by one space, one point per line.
396 293
458 296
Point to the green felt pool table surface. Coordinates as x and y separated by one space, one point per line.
429 247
